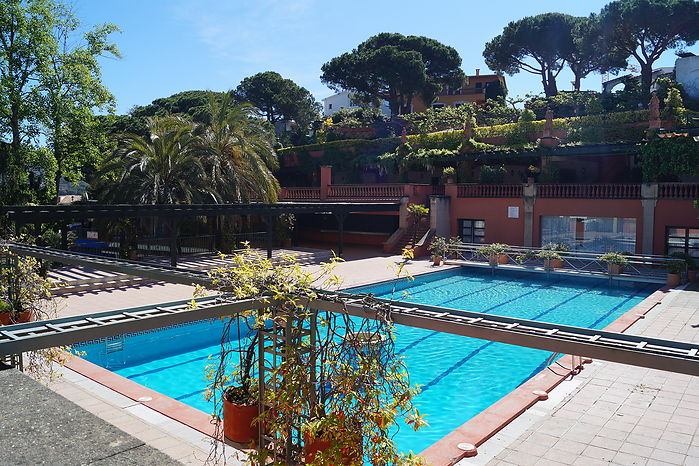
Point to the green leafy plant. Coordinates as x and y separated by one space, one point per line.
561 247
548 254
25 294
615 258
449 172
333 378
439 247
493 249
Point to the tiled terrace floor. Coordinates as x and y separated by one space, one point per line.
621 414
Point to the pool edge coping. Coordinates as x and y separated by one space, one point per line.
445 451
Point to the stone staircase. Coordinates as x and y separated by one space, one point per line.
406 240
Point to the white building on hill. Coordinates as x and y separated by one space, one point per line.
342 100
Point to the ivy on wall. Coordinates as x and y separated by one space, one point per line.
666 159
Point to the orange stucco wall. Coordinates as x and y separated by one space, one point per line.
670 213
498 227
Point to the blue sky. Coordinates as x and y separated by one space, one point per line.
170 46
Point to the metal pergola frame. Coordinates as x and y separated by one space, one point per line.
636 350
37 215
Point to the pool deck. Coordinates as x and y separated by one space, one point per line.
610 412
617 414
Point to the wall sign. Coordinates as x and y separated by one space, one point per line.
512 212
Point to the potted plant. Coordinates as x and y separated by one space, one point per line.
495 253
552 259
556 262
240 397
438 249
532 172
676 268
325 398
25 295
674 273
615 261
449 173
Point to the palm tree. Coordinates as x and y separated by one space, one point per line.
241 154
165 168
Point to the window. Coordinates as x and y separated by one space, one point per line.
471 231
330 106
479 85
590 234
680 239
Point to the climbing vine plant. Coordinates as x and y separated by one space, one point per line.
336 379
669 158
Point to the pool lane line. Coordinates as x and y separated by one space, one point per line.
453 367
442 303
160 369
414 343
638 292
541 314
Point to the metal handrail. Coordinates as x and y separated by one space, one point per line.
641 266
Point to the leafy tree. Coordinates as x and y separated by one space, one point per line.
495 112
72 88
495 91
165 168
396 68
50 85
357 116
191 104
279 99
535 44
645 29
586 56
241 154
566 104
26 41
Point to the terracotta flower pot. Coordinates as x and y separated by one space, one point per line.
614 269
503 259
238 422
436 260
313 446
692 275
8 318
493 260
673 279
550 264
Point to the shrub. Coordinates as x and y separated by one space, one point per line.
493 174
617 258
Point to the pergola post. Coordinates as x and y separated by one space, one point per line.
64 235
340 232
174 226
270 235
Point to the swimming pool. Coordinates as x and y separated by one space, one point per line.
460 376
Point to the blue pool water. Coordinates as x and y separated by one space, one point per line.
459 376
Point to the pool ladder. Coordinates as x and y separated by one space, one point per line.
574 370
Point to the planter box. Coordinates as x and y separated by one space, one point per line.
673 279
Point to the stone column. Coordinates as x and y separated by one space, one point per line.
440 219
649 199
403 212
529 194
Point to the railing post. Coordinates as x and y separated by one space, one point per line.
649 199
